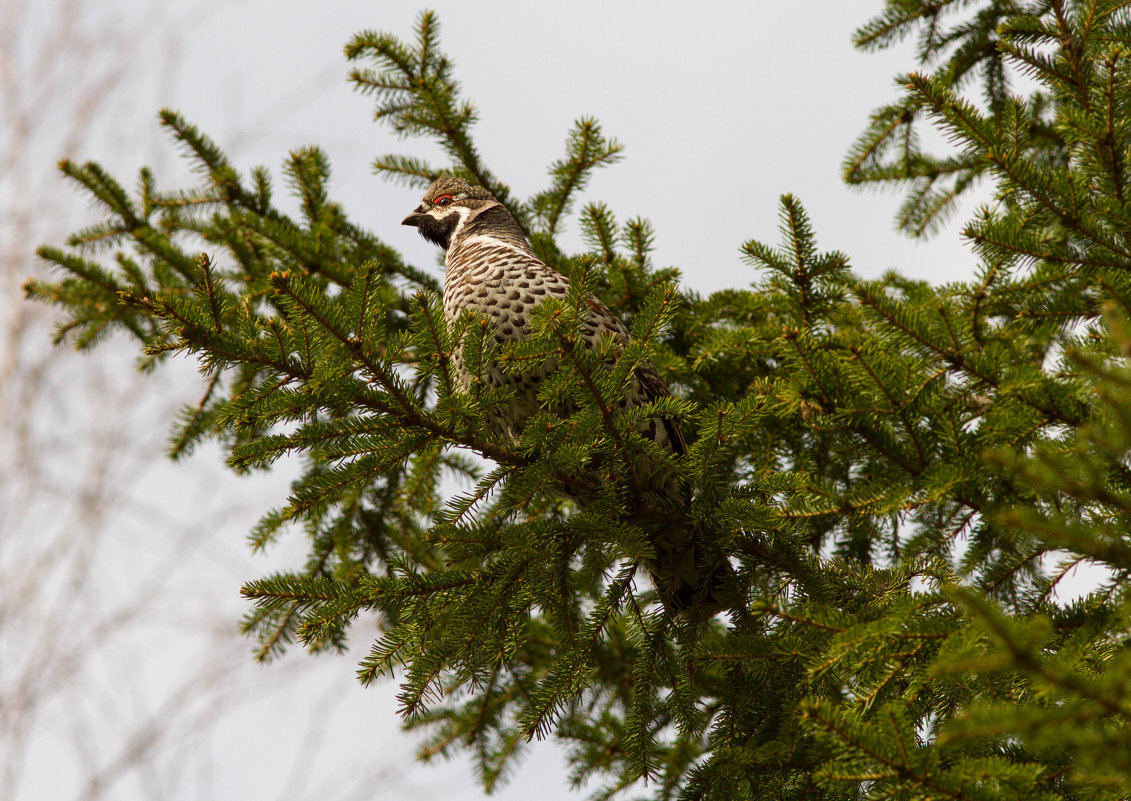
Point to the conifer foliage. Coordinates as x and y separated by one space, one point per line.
900 474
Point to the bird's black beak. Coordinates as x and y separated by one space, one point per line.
414 218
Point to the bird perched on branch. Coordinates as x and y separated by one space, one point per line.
492 271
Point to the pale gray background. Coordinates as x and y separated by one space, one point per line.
722 106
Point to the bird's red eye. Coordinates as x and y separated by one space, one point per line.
443 200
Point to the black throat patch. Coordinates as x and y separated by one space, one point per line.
438 232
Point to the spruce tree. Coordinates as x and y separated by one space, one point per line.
900 474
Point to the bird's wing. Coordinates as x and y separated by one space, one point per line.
646 375
654 387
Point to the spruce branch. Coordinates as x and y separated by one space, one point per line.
895 476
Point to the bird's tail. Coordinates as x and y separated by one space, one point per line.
691 578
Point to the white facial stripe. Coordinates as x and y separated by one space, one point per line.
440 212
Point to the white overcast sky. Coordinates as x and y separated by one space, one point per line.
722 107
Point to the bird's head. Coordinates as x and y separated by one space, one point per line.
448 205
